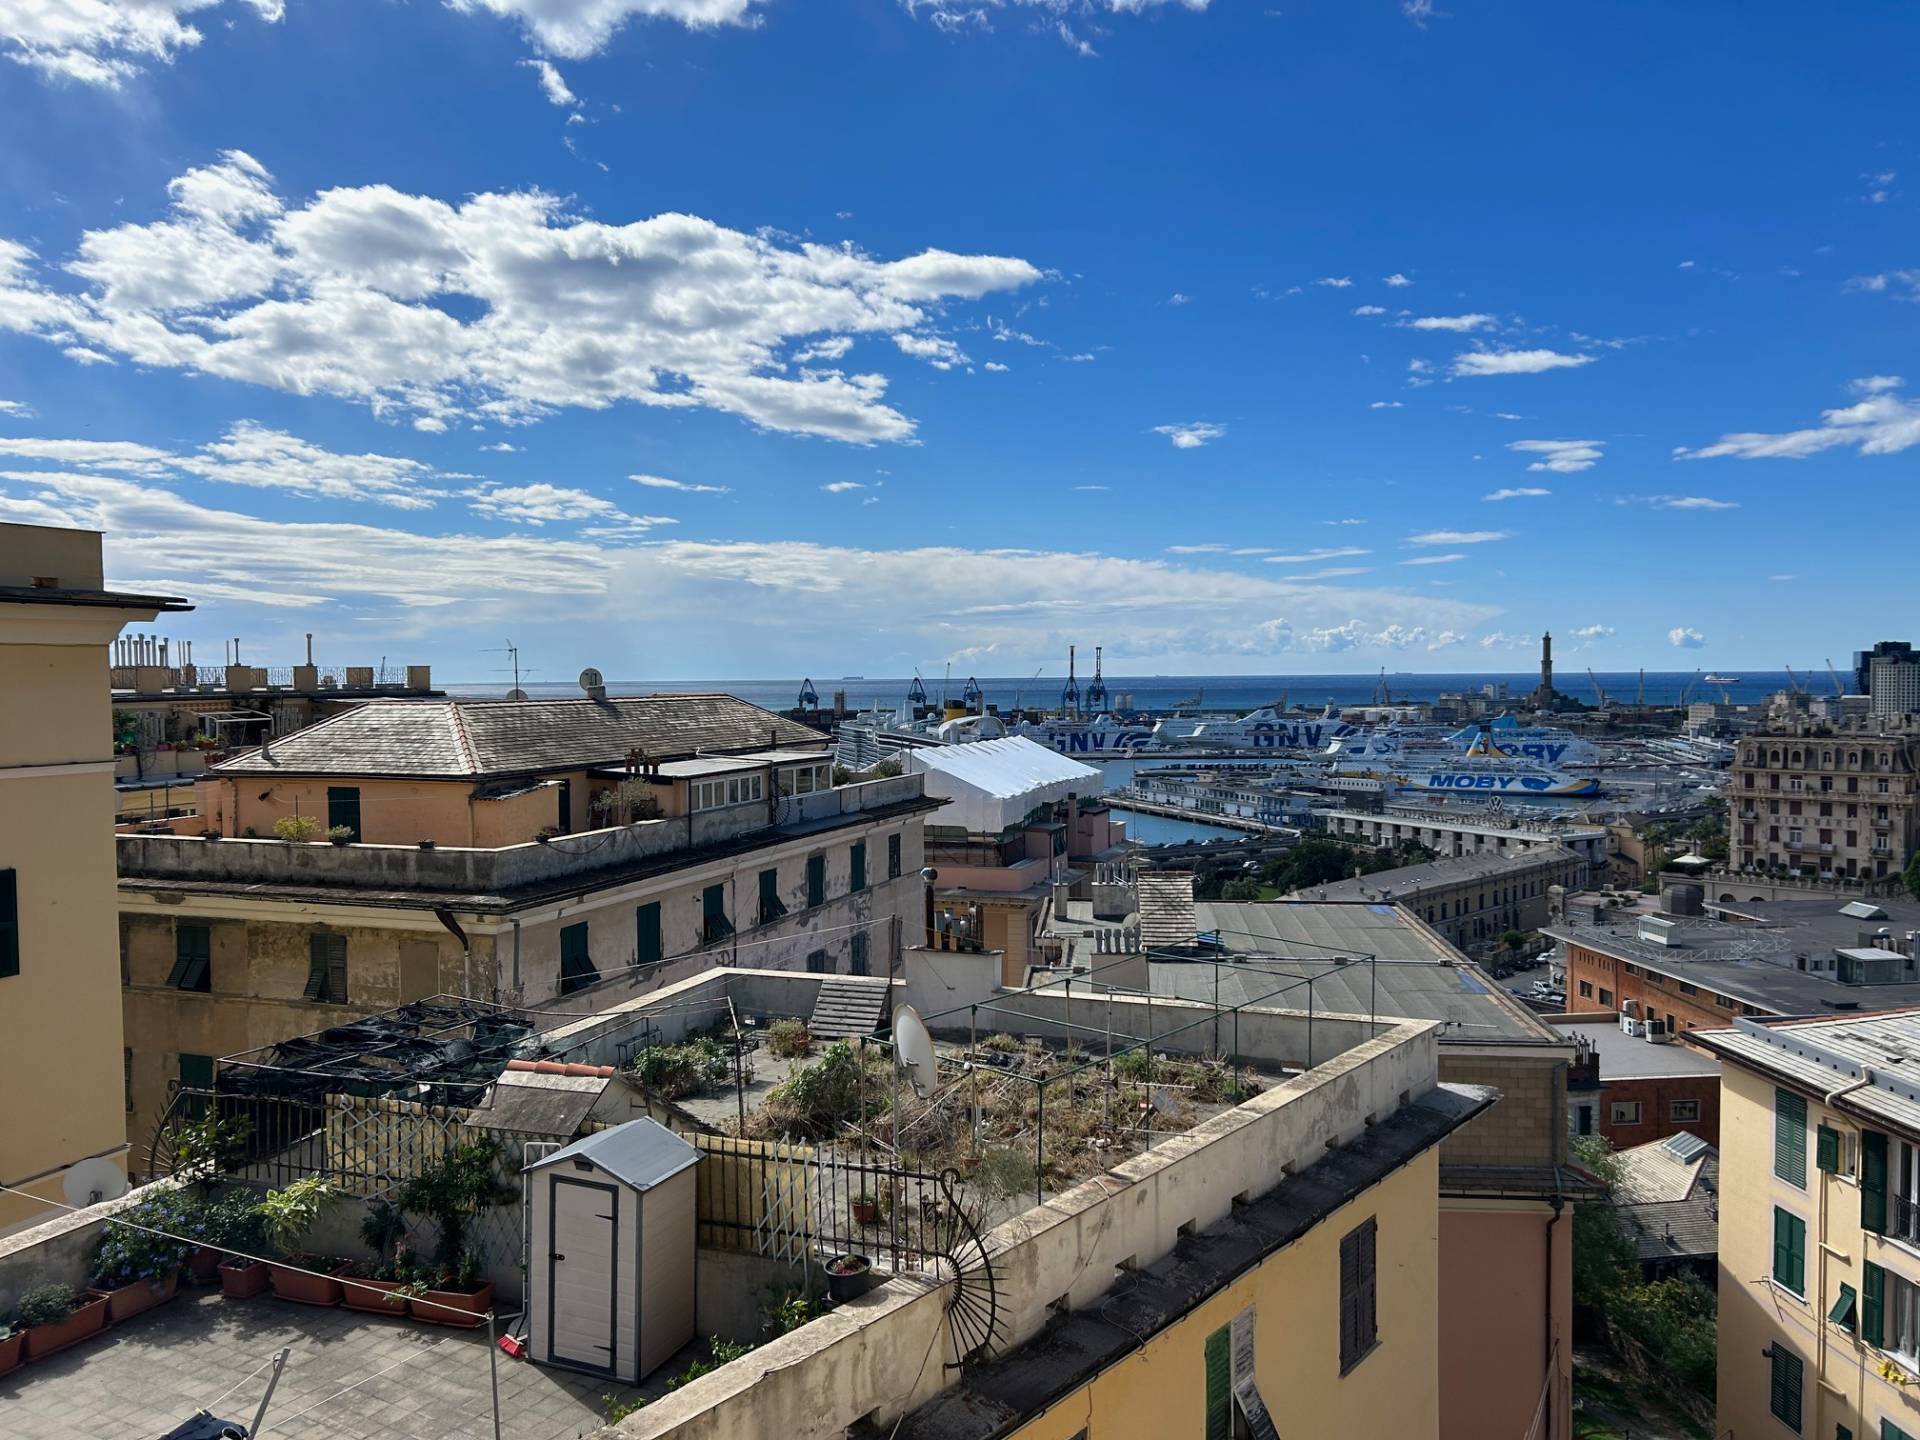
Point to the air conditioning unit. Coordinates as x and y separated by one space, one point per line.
1658 1033
1633 1027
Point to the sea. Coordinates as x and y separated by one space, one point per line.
1228 694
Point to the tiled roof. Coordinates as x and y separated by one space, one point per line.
1166 907
468 739
1669 1207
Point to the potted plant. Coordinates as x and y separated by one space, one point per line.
135 1267
848 1277
452 1192
373 1284
286 1216
56 1316
296 829
866 1209
340 834
12 1339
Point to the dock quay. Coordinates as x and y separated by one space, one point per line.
1129 799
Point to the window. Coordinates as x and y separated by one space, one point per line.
1586 989
192 958
196 1073
1583 1119
1219 1365
735 790
858 950
1684 1110
343 807
9 923
816 881
1358 1334
1784 1392
1890 1313
1873 1181
646 944
714 924
326 968
770 907
893 856
1844 1308
819 962
126 1057
1789 1251
1790 1137
1624 1112
857 866
1606 997
576 965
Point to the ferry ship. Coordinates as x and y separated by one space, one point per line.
1268 728
1095 736
1548 744
1483 768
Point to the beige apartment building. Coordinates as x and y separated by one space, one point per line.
60 1060
1828 801
1819 1227
544 853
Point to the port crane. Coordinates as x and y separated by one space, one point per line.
1070 692
1686 693
1793 682
972 695
1834 675
1097 687
1598 693
916 692
809 697
1381 694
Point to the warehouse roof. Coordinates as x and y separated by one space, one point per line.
469 739
1406 880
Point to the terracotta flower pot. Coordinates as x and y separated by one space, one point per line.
126 1301
371 1296
304 1288
203 1266
242 1280
10 1351
88 1320
866 1212
471 1303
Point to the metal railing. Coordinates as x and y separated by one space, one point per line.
1903 1218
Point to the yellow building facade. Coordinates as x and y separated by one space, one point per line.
61 1058
1819 1290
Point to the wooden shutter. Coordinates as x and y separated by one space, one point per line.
327 968
576 961
1220 1385
713 913
1873 1181
647 939
1873 1304
1790 1137
816 880
770 907
1785 1400
1357 1284
1789 1251
857 862
1827 1150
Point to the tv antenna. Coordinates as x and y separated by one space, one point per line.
512 652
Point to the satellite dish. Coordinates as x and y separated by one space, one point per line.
516 694
591 679
92 1181
913 1050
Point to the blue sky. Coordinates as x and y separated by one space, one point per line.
716 338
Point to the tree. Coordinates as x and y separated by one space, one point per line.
1912 876
1242 889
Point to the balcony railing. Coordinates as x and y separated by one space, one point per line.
1903 1218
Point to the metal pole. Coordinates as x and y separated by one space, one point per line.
493 1367
973 1073
1040 1147
279 1363
1309 1023
1236 1049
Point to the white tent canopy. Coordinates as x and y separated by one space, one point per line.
991 784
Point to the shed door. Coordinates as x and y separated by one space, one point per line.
583 1274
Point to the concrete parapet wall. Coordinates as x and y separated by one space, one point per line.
61 1250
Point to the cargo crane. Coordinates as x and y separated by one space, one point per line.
1793 682
1070 692
1381 694
1838 688
972 697
809 697
1598 693
1684 694
916 692
1096 687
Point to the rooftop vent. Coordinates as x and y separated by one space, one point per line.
1656 931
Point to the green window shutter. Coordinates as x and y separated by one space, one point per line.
714 924
857 861
1784 1398
816 880
1843 1311
1873 1304
192 958
770 907
893 856
327 968
1790 1137
1873 1181
576 963
1841 1432
1220 1385
9 923
196 1073
1891 1431
343 807
1790 1251
1827 1150
647 941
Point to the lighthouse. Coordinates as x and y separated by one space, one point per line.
1544 697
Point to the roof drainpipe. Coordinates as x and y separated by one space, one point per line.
1559 1203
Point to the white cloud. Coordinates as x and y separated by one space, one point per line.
833 347
1457 323
1387 405
1421 12
995 367
16 409
1779 579
1457 537
1875 384
552 84
660 482
360 292
1517 492
1178 299
1878 186
1454 558
1348 521
1504 640
1357 635
105 42
1881 424
1594 632
1685 265
540 503
1562 457
575 29
1312 557
1397 280
1678 502
1515 362
1685 637
1191 436
502 447
1369 309
1093 487
1887 281
843 487
1335 282
936 350
1507 415
1332 572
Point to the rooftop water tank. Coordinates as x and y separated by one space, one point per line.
1681 899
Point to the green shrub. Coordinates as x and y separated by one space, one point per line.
1136 1065
675 1071
719 1352
788 1039
451 1192
296 828
1004 1172
817 1099
788 1310
130 1252
47 1304
287 1215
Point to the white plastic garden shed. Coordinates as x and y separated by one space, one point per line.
610 1245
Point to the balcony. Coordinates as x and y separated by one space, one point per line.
1903 1219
